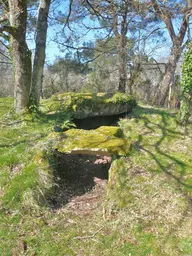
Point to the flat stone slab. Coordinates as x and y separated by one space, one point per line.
83 105
106 140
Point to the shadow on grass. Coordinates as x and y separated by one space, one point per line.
168 162
165 161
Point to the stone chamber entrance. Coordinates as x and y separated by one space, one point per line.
81 180
97 121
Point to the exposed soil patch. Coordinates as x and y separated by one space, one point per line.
81 181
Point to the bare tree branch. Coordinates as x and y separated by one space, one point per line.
5 4
183 28
165 17
98 14
5 56
8 29
152 32
158 65
95 28
89 48
7 47
91 60
68 16
4 62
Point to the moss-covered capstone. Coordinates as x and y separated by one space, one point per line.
82 105
106 140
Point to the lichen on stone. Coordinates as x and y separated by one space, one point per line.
82 105
104 140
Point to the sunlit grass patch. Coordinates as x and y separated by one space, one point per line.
159 143
146 210
185 245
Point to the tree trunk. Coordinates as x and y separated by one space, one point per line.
39 58
122 49
185 106
177 40
168 79
20 54
121 39
134 73
122 69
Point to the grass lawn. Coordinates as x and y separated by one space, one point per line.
144 209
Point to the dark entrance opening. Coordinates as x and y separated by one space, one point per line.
77 175
95 122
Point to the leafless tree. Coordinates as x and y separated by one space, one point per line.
167 12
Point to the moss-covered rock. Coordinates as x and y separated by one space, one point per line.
82 105
105 140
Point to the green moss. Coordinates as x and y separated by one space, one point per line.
121 98
104 139
118 189
147 195
72 102
31 187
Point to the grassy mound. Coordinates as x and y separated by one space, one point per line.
144 209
